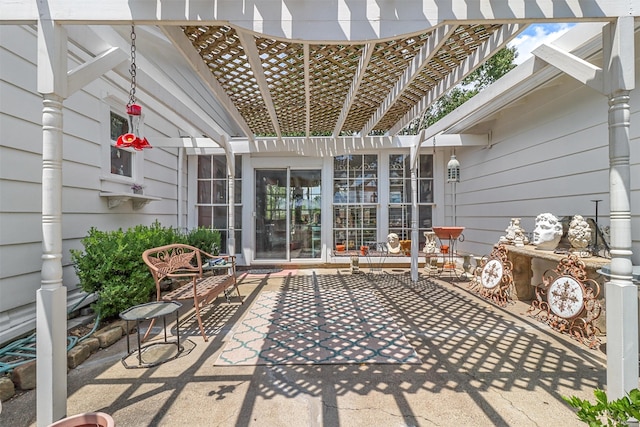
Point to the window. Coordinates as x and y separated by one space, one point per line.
213 207
355 182
400 195
121 159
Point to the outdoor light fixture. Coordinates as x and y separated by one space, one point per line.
453 169
133 138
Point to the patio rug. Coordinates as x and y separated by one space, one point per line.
317 327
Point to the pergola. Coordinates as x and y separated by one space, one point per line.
312 73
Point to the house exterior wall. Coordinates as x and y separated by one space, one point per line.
85 174
548 153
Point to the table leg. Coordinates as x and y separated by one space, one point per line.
139 343
177 332
128 346
164 324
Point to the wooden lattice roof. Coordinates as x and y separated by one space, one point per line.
292 88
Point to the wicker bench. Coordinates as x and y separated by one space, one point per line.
185 263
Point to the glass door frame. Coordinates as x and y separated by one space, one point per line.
299 213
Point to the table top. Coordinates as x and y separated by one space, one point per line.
150 310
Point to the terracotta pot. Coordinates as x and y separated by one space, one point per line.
340 248
364 250
89 419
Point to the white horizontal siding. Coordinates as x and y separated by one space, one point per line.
85 133
548 154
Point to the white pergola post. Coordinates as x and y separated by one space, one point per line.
51 298
415 240
231 200
621 293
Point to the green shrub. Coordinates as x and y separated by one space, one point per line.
111 265
615 413
205 239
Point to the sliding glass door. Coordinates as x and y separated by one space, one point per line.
287 215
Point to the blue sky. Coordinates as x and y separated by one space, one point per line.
534 36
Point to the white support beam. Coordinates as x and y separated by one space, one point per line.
317 20
363 63
487 49
253 56
574 66
91 70
183 45
425 54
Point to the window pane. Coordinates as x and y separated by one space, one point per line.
426 166
121 162
118 126
204 167
204 191
238 171
425 189
219 167
220 218
219 191
237 191
204 216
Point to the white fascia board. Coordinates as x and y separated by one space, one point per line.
455 140
320 146
317 20
184 142
517 83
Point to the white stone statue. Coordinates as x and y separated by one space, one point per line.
547 233
430 246
579 234
515 234
393 243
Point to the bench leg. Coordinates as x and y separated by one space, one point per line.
196 303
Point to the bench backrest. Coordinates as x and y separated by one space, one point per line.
173 261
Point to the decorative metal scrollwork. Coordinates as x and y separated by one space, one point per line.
568 301
493 280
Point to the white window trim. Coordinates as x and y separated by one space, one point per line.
117 104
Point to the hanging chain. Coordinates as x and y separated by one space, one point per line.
133 69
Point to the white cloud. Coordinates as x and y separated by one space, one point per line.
534 36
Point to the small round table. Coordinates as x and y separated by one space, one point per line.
150 311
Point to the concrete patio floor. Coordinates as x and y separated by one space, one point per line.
482 365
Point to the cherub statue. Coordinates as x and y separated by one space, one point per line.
393 243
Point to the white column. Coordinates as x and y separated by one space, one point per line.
415 246
51 298
621 294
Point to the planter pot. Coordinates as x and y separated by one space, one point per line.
364 250
340 248
89 419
